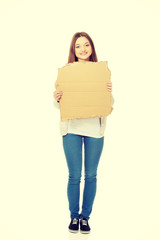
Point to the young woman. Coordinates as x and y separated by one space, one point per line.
76 133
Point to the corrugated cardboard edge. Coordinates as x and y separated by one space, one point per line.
88 62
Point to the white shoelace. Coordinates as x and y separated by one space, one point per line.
74 221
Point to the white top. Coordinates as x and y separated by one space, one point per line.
85 126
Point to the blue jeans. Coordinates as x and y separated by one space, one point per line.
72 144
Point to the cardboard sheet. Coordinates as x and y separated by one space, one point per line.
84 86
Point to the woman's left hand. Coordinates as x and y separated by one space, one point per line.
109 86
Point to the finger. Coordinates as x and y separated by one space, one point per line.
59 95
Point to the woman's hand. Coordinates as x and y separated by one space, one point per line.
109 86
57 95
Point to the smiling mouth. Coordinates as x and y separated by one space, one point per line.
83 53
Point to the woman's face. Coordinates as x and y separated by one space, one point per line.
83 49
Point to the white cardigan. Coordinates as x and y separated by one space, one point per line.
92 127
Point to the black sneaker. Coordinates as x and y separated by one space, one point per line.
84 226
74 225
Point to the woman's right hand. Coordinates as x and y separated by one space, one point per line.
57 95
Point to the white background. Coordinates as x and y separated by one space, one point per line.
34 42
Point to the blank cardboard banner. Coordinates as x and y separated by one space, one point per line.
84 86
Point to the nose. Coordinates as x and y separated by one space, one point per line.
83 49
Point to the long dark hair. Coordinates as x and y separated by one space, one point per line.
72 57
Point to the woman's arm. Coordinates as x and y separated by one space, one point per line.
57 96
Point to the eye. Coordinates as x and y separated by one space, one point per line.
87 45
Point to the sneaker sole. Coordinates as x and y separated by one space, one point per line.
85 232
73 231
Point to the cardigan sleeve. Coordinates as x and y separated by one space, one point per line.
56 104
112 100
